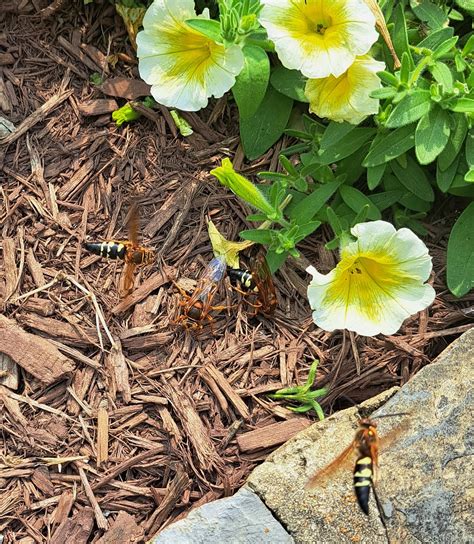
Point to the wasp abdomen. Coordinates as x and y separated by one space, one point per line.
244 277
109 250
363 482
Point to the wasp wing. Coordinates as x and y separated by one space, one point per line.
340 462
132 224
127 279
208 283
263 280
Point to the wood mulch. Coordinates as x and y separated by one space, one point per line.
99 441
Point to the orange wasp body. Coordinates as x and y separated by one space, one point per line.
128 251
197 307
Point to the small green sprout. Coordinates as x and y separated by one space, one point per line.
184 127
302 394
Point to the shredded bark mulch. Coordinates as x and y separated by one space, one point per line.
114 420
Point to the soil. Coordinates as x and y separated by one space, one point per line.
102 439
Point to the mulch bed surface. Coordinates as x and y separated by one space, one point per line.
103 444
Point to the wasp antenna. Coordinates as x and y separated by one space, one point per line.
395 414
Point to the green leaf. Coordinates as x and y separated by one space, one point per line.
443 76
389 79
261 236
462 105
429 13
333 133
470 148
275 260
399 34
412 202
434 39
413 177
444 178
309 206
252 82
347 145
410 109
445 47
334 221
466 5
469 177
386 199
458 133
291 83
374 175
208 27
431 135
356 200
388 146
382 94
265 127
460 269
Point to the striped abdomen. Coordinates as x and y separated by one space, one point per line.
363 481
242 277
110 250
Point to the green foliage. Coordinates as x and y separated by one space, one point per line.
303 394
460 273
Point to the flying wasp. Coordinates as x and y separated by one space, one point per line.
366 443
195 309
256 285
128 251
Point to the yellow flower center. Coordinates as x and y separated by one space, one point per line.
363 279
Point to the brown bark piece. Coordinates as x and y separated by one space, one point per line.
102 433
78 54
6 58
225 386
8 372
99 516
123 87
194 427
119 371
11 273
33 353
97 107
123 529
42 480
79 179
67 333
76 529
61 512
152 283
37 116
271 435
174 493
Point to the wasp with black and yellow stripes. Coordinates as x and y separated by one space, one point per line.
366 444
256 285
128 251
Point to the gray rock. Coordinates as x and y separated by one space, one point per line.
425 484
241 519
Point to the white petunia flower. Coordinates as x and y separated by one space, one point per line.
346 98
319 38
183 67
378 283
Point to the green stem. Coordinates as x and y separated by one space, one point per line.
418 71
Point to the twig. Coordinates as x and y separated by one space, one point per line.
99 516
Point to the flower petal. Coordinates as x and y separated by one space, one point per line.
378 283
346 98
183 66
319 38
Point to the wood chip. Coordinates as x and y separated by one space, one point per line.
62 510
6 58
196 432
76 529
42 480
102 433
271 435
123 529
97 107
150 285
8 371
99 516
78 54
123 87
11 271
224 385
77 181
37 116
118 371
33 353
174 493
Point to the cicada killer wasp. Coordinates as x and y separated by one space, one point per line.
196 308
256 285
366 444
128 251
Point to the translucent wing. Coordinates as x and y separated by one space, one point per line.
132 224
208 283
341 461
263 280
126 280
